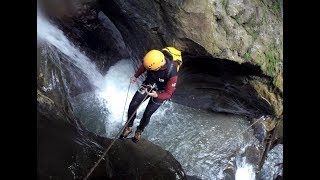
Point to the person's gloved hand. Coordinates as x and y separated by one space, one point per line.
153 93
133 79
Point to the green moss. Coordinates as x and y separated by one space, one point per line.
225 4
250 27
271 61
276 7
251 21
264 18
247 56
255 35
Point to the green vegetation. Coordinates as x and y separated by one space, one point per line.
247 55
270 61
276 7
225 4
264 18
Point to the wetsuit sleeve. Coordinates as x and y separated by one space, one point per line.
170 88
141 70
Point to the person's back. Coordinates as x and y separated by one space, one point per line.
162 76
173 54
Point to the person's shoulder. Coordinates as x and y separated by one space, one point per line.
174 71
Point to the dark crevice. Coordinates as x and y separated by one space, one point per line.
220 85
219 67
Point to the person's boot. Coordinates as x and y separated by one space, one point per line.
125 133
137 136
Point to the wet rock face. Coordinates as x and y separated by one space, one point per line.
142 160
98 37
63 153
89 29
220 86
65 149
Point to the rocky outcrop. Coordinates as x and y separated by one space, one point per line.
142 161
221 86
89 29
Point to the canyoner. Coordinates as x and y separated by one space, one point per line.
162 75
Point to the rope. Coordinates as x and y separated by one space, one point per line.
105 152
242 132
126 101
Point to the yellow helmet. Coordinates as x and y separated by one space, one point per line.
153 60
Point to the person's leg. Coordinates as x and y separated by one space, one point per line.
134 104
152 106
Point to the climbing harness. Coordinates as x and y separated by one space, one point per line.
108 148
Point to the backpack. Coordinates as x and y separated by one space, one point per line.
176 55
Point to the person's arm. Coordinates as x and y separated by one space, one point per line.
170 88
141 70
